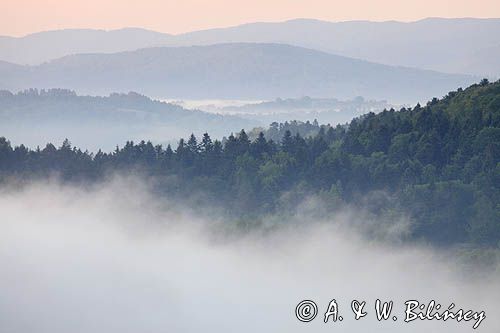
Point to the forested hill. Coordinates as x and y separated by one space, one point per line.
438 164
100 122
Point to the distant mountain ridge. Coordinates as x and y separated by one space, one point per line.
445 45
467 45
233 71
48 45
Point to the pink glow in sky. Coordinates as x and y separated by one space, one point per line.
20 17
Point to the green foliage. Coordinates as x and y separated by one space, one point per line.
438 164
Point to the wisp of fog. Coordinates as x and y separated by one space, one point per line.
115 258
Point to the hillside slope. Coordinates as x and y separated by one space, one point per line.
428 174
239 71
445 45
35 117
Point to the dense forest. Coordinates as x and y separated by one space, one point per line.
438 164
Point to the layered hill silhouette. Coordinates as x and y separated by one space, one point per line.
445 45
40 47
35 117
466 45
238 70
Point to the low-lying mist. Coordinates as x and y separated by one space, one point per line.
113 258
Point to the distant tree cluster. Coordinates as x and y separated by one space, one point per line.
277 131
440 164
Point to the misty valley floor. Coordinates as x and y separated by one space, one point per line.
114 258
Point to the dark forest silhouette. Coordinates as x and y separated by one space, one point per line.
439 164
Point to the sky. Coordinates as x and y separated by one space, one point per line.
21 17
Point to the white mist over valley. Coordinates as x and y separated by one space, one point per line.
250 178
113 258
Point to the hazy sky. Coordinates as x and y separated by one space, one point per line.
19 17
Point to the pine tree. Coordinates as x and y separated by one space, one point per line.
206 144
287 142
192 144
259 147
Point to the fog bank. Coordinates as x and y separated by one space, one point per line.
113 258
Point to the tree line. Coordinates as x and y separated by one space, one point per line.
439 164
